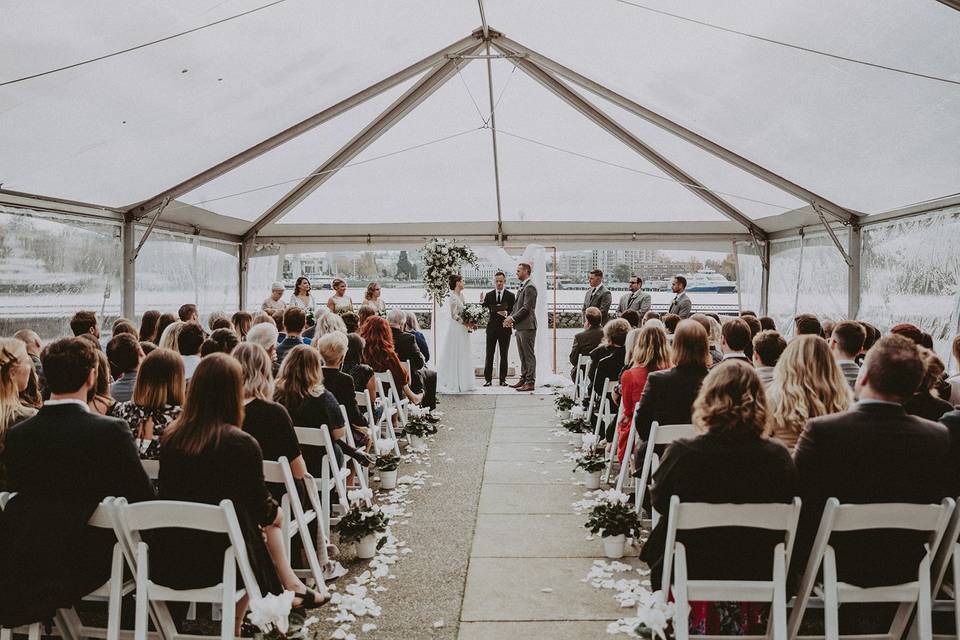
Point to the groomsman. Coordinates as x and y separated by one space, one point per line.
681 304
597 296
635 299
500 303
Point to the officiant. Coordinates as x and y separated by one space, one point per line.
499 302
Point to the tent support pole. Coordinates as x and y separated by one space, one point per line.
855 243
246 248
508 46
394 113
129 292
493 137
601 119
765 281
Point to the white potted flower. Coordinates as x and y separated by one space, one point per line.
614 519
563 403
592 462
362 523
418 427
387 467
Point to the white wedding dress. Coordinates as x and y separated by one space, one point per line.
455 372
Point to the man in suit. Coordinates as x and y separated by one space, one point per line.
523 319
681 304
62 462
607 361
873 453
846 341
422 380
767 347
735 337
597 296
635 299
588 339
500 303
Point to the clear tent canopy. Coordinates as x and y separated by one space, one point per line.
817 139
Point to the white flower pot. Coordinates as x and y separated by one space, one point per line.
613 546
367 547
416 442
592 481
388 479
565 415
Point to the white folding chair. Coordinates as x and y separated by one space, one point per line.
685 516
390 395
612 454
930 518
384 425
624 476
947 557
580 378
133 519
605 413
330 470
359 470
152 468
659 435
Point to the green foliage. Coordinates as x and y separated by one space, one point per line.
577 425
419 426
591 462
387 462
614 519
563 402
361 521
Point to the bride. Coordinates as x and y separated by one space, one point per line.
455 370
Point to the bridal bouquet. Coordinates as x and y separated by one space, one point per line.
474 315
443 258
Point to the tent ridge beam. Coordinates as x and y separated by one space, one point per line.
603 121
507 45
393 114
143 208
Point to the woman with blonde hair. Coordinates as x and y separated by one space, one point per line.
648 353
372 296
731 461
328 322
157 400
15 370
339 303
169 339
807 383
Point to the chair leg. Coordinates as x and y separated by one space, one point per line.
115 604
955 561
779 606
831 607
229 596
924 606
141 625
6 634
34 631
681 618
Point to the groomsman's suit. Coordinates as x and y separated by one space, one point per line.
525 323
638 300
600 298
497 334
681 305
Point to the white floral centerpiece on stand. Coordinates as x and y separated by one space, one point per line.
443 258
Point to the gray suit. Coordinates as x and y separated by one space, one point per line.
638 301
681 306
524 316
601 300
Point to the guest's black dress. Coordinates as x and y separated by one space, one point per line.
231 469
270 425
316 411
353 365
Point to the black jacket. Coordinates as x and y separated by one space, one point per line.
952 422
507 299
720 469
585 342
874 452
341 386
668 397
406 347
61 462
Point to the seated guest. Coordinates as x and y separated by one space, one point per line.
588 339
148 348
924 402
124 353
294 319
219 320
121 326
631 316
734 338
951 420
61 463
767 324
148 326
767 348
365 312
875 452
15 370
670 321
278 320
379 354
807 383
188 313
846 341
422 380
712 327
157 398
332 348
189 340
32 342
221 341
206 458
755 328
327 322
669 394
828 327
85 322
353 362
613 347
954 380
163 330
412 326
100 401
873 334
650 353
265 334
807 324
242 321
649 315
300 389
262 316
910 331
730 462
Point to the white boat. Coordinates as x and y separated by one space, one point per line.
709 281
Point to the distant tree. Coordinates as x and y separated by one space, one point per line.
622 272
727 266
405 269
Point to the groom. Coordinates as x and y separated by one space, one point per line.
500 303
524 320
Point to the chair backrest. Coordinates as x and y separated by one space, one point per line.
273 472
152 467
313 436
659 435
580 376
667 433
160 514
944 554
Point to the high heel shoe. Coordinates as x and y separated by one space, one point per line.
311 599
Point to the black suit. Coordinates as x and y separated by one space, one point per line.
497 334
341 386
874 452
62 462
668 397
952 421
583 343
422 380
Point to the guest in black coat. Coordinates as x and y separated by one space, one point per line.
875 452
952 421
62 462
332 348
731 462
422 380
588 339
294 320
614 344
924 402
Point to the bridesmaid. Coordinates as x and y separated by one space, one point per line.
301 296
372 297
340 303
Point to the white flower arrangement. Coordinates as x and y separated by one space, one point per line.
274 617
654 618
443 258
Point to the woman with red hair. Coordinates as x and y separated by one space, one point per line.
380 355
